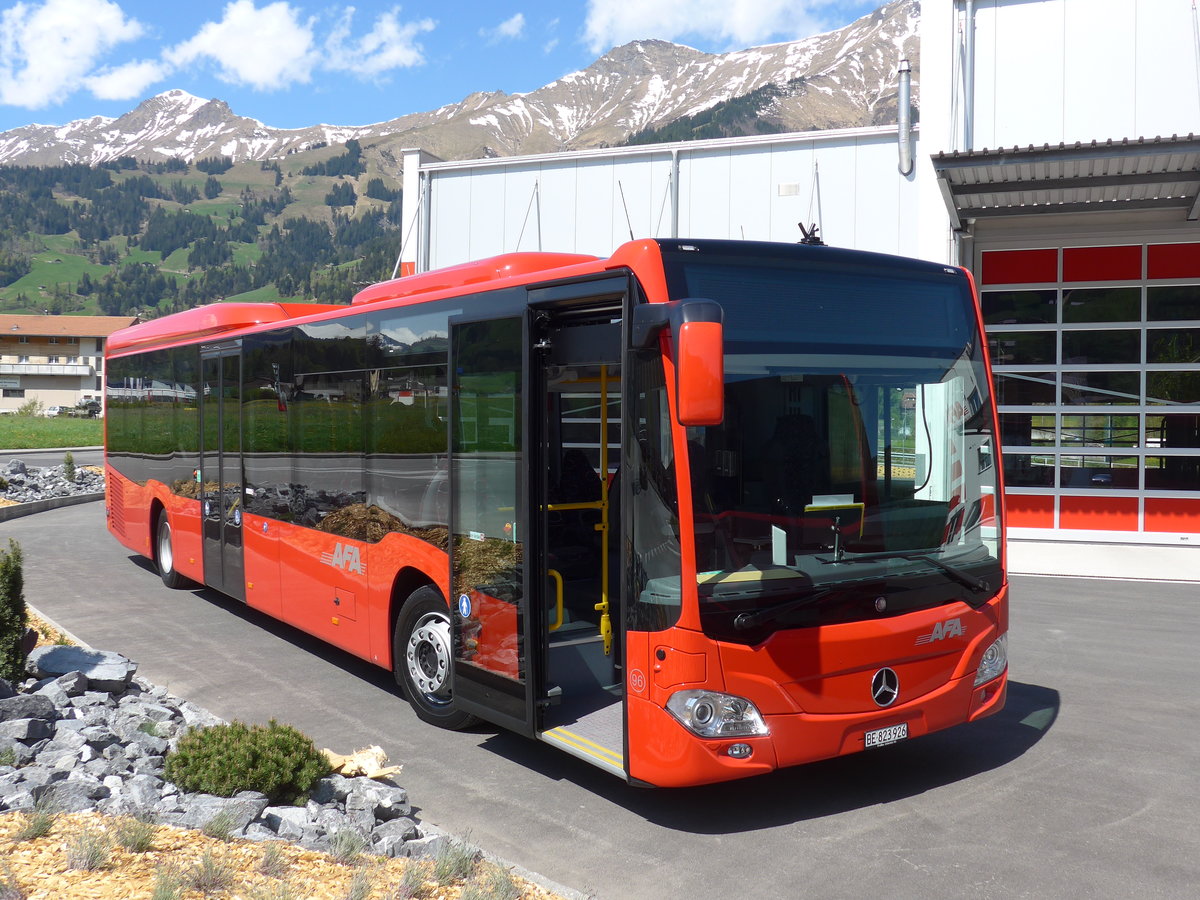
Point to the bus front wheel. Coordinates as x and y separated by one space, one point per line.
422 656
164 553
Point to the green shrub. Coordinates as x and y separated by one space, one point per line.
14 618
69 466
274 759
32 407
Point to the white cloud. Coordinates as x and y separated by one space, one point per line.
549 46
267 48
734 23
126 81
510 29
47 49
391 44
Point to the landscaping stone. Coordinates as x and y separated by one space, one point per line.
95 737
28 706
29 483
105 671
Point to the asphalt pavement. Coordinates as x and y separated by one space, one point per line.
1086 785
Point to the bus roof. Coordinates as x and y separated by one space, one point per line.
212 320
507 265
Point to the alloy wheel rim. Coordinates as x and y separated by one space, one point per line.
428 658
165 557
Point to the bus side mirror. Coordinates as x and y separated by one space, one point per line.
700 373
699 354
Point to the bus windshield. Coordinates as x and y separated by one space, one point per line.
855 473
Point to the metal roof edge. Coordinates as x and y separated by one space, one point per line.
789 137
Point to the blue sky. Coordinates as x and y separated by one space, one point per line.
291 63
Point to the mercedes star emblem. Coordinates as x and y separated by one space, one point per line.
885 687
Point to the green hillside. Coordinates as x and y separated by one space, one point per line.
132 237
748 114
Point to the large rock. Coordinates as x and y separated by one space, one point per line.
384 801
389 838
27 731
105 671
28 706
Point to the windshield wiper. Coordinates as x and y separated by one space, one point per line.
746 621
967 580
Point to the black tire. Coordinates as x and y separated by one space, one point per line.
164 554
422 656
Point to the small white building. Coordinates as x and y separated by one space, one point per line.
1057 157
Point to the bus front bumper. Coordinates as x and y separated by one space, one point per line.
668 755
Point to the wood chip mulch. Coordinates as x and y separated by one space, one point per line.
40 867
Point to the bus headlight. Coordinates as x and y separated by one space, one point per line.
714 715
994 662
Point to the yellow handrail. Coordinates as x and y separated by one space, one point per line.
558 605
603 606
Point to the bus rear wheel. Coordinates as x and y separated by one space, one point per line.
422 657
164 553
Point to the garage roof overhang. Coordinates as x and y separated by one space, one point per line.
1154 173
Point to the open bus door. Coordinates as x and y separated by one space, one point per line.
534 410
493 629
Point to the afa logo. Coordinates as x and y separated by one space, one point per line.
348 559
948 629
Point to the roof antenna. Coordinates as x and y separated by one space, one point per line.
810 234
628 223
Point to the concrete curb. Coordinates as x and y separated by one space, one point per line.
37 506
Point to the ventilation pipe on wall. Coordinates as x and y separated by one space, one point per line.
675 192
1196 42
968 75
426 221
904 119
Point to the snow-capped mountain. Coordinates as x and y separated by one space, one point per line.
844 78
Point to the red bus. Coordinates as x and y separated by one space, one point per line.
697 511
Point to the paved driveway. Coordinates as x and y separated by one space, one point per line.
1087 785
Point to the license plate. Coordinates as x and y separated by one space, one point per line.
881 737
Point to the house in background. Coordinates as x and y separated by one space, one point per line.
57 360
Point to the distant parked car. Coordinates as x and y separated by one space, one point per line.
86 409
51 412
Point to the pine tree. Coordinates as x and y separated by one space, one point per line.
14 618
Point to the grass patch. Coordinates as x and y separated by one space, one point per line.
134 834
491 882
35 432
38 823
220 826
265 294
209 876
415 883
89 851
273 864
246 254
9 889
168 884
360 885
453 862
